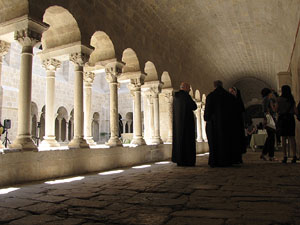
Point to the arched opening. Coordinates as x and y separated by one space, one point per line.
103 48
165 78
42 123
71 126
95 127
129 122
61 124
63 28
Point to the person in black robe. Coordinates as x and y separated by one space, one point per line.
238 127
184 140
218 115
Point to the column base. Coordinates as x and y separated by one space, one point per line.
49 141
170 140
114 142
78 142
199 140
156 141
90 141
24 143
138 141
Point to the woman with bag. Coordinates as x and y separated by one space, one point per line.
286 121
269 108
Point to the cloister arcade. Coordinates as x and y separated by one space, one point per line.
64 62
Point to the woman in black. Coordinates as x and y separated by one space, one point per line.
269 107
286 121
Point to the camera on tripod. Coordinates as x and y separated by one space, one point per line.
6 125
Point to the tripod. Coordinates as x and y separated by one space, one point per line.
6 139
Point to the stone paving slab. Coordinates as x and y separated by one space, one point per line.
257 192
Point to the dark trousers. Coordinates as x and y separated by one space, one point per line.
269 144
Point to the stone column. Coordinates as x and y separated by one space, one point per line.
151 121
4 48
169 100
199 122
28 39
135 88
113 70
49 139
203 123
59 129
88 81
124 125
156 138
78 141
67 131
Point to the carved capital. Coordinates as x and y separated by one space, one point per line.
168 97
88 77
4 48
79 58
27 37
51 64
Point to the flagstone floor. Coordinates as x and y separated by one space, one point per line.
258 192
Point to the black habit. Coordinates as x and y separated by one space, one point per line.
238 130
184 143
218 115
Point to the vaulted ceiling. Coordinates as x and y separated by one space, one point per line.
242 42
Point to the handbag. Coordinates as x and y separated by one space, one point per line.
270 123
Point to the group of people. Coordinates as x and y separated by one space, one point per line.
280 109
224 116
224 127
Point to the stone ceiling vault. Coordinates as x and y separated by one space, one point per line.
193 40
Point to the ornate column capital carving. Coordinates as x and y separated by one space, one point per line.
88 77
4 48
51 64
27 37
79 58
113 70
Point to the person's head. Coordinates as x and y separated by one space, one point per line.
218 83
287 93
233 91
185 87
265 92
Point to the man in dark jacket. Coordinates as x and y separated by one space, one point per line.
184 140
218 115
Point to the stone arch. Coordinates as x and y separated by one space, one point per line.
191 92
42 121
203 98
63 28
104 48
61 124
197 95
34 115
129 122
165 78
151 72
95 127
131 61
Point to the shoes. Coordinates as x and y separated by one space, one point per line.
263 157
294 160
273 159
284 160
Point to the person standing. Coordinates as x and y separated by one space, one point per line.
184 139
269 107
218 115
286 121
238 128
